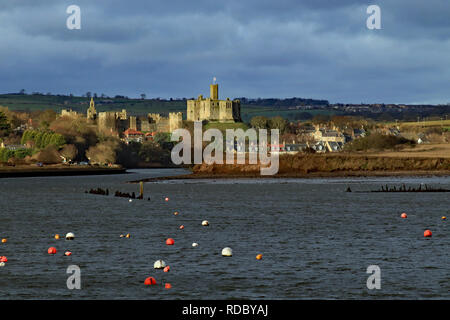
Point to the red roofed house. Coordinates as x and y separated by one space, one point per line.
133 135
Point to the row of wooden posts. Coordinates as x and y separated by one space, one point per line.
105 192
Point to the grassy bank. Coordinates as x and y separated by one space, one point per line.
56 170
326 165
304 164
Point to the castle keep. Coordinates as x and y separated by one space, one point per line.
213 109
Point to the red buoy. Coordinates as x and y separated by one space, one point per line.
404 215
167 199
167 269
170 242
181 227
150 281
51 250
427 234
67 253
3 259
168 286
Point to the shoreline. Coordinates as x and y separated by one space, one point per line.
51 171
299 175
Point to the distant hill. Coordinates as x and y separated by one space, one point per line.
289 102
249 107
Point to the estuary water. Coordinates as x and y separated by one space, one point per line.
317 240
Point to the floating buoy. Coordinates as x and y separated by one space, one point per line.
57 236
127 236
70 236
167 199
130 200
427 233
167 269
3 259
122 236
195 244
181 227
404 215
159 264
444 218
259 257
176 213
227 252
67 253
167 286
205 223
51 250
150 281
170 242
4 240
2 264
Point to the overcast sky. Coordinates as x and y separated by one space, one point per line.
255 48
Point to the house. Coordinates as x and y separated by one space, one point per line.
133 135
276 147
333 146
319 147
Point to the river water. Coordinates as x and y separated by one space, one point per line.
316 239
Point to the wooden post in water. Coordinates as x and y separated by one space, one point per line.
141 194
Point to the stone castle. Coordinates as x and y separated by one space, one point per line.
210 109
213 109
114 121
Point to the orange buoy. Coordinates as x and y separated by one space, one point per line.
181 227
127 236
444 218
168 286
176 213
4 240
259 257
404 215
51 250
167 269
67 253
57 236
150 281
427 234
3 259
167 199
170 242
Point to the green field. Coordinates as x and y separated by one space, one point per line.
30 103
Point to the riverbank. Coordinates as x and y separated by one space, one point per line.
56 170
325 166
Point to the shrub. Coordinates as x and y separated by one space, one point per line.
377 141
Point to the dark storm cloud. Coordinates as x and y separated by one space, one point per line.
256 48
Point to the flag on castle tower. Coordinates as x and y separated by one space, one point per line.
214 80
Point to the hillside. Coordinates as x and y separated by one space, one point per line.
249 108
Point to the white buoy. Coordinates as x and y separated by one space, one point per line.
205 223
2 264
227 252
195 244
70 236
131 200
159 264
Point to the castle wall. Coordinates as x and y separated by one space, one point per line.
107 121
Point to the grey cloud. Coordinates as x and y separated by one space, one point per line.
319 49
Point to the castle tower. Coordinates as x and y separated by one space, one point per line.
175 121
214 91
91 112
